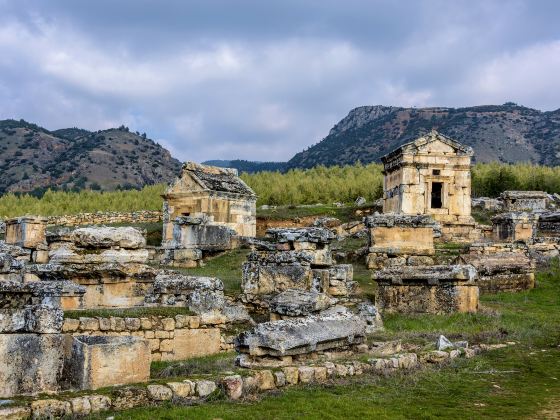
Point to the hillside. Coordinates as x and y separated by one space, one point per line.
33 158
506 133
250 167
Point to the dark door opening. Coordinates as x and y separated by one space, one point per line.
436 195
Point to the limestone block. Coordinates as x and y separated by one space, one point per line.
98 361
106 237
306 374
336 327
50 409
205 388
181 389
294 302
194 343
233 386
159 393
292 374
27 232
15 413
279 379
30 363
41 319
99 403
81 406
265 380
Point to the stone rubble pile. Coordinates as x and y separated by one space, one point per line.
295 258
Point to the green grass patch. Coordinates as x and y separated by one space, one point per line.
484 217
138 312
226 267
207 365
345 214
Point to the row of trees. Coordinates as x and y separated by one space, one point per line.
298 186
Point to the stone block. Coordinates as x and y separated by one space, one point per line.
195 343
181 389
106 237
292 374
27 232
30 363
99 403
233 386
50 409
15 413
205 388
306 374
159 393
265 380
99 361
81 406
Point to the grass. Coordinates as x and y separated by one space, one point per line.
139 312
483 217
345 214
226 267
517 382
207 365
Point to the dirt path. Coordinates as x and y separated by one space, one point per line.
552 411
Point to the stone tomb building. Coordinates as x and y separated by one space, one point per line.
431 175
217 194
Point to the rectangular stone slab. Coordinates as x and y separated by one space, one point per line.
99 361
30 363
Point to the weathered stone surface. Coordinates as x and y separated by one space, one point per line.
129 397
30 363
106 237
33 318
514 226
292 374
306 374
279 379
200 294
27 231
265 380
81 406
205 388
199 233
337 328
443 343
431 289
159 393
69 255
99 361
99 403
293 302
233 386
15 413
314 235
369 313
194 343
502 271
180 389
50 409
15 294
524 200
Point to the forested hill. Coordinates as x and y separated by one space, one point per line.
33 158
505 133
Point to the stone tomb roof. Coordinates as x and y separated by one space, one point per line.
213 178
416 146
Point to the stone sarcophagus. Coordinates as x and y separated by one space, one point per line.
524 200
282 340
514 226
27 232
427 289
502 267
394 238
99 361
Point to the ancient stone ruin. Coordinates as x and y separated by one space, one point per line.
208 195
431 175
296 258
524 200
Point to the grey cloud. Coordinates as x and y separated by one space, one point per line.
263 80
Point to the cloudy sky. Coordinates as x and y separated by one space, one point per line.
261 80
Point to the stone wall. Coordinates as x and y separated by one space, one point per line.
177 338
106 218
